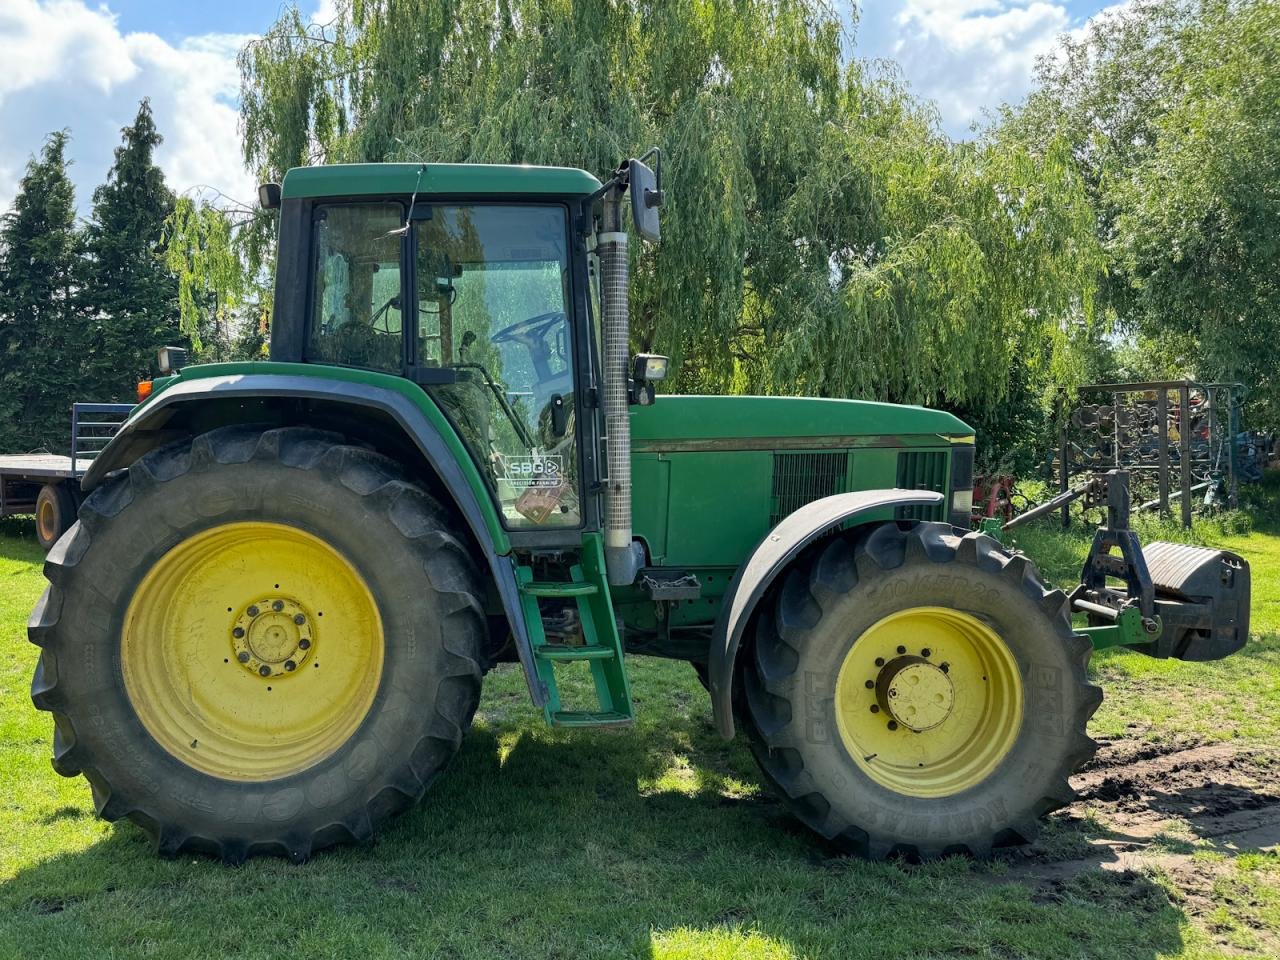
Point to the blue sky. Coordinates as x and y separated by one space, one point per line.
84 65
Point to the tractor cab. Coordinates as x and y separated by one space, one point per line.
472 282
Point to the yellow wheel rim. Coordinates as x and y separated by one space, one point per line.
928 701
252 651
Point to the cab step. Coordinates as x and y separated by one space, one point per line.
563 651
545 588
583 718
588 588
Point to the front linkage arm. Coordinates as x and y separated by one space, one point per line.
1116 618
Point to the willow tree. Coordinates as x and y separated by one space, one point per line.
1169 110
821 237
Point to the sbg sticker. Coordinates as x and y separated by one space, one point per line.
533 471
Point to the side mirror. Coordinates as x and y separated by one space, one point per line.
646 197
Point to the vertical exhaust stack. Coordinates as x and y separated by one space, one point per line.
623 556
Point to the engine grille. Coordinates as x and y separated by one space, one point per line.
800 478
922 470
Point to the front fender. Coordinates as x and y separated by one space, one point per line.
770 557
152 424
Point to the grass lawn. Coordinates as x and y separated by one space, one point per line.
657 841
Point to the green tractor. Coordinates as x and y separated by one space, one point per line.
267 631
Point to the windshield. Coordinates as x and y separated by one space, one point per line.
493 292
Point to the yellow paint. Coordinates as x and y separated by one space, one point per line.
947 699
282 696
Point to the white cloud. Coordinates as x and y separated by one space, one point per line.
69 65
969 56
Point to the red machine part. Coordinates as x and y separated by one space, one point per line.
992 496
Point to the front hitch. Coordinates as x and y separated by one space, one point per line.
1180 601
1190 603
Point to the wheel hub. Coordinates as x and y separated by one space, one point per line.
272 636
917 694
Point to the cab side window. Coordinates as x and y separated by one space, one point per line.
355 286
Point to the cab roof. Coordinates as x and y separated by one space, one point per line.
470 179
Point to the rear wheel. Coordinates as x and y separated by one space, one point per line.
55 513
917 690
258 642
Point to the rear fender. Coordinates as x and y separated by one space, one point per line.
186 406
771 556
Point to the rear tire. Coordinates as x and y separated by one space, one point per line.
55 513
132 605
947 611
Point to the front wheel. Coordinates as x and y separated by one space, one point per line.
258 641
917 690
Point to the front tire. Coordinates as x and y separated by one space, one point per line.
917 690
258 641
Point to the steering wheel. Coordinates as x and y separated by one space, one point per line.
520 327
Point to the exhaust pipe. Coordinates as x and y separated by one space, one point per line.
623 556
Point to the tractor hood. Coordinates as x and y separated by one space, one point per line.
761 422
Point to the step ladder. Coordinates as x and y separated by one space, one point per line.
602 651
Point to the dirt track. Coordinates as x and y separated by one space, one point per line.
1149 805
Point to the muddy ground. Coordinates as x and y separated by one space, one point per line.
1156 809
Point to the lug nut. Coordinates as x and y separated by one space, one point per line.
304 644
902 649
946 668
299 619
277 605
870 684
893 724
264 671
238 632
925 652
290 665
252 611
243 656
875 708
879 661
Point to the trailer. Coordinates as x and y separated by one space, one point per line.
47 485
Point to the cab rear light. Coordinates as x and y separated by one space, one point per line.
144 390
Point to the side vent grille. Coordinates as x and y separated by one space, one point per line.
925 470
800 478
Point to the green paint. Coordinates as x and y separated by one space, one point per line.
400 385
471 180
1127 631
674 418
993 527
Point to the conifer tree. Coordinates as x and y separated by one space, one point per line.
39 321
131 296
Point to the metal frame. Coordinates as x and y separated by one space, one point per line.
87 431
1215 394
